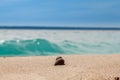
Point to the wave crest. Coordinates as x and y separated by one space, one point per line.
24 47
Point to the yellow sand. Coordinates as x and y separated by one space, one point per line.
78 67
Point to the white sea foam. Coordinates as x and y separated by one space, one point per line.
61 35
61 41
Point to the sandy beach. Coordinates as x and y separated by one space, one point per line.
78 67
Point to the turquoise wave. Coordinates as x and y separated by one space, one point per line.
28 47
43 47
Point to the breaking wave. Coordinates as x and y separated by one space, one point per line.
44 47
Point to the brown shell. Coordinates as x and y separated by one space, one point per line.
59 61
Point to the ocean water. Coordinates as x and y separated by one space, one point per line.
55 42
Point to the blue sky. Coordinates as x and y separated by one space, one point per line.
98 13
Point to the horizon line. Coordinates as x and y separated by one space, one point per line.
59 28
